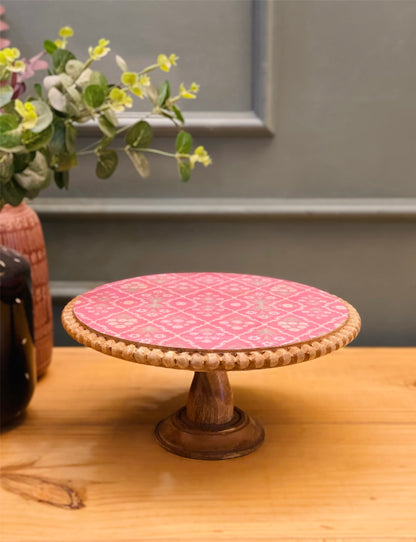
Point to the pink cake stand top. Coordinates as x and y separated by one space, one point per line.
210 311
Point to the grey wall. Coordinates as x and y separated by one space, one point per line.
308 110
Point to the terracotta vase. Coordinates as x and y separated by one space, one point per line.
21 230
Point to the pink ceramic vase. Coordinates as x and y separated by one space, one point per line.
21 230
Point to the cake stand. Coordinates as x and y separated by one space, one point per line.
211 323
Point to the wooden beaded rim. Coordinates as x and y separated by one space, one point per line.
213 361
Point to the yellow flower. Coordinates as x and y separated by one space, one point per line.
200 155
173 58
17 67
144 80
119 99
66 32
165 63
134 82
15 53
137 90
100 50
28 112
186 93
8 60
9 55
129 78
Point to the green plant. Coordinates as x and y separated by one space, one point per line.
38 136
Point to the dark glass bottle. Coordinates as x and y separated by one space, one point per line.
17 350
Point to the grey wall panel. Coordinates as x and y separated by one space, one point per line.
212 39
345 103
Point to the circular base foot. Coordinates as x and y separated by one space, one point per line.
241 436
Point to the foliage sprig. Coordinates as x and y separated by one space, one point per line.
38 136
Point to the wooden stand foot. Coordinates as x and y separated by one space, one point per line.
210 427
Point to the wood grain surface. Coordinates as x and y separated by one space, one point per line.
338 462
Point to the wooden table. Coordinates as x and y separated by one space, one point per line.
338 463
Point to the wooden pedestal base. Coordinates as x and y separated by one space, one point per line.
210 427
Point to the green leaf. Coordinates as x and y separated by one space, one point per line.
163 93
38 90
74 68
139 161
21 160
139 135
152 94
121 63
62 158
111 117
103 143
12 193
178 114
107 163
36 176
9 133
8 123
57 145
70 137
58 142
45 116
184 142
168 115
99 79
61 179
64 161
33 141
64 137
49 46
94 96
59 59
184 170
6 167
10 110
106 127
6 94
58 100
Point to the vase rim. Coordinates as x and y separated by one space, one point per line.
8 208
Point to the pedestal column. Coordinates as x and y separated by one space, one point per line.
210 426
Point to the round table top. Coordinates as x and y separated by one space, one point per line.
211 321
210 311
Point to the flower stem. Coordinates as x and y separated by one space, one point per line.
156 151
149 69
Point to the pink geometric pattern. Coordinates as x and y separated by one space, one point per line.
210 311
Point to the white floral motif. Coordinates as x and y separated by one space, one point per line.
121 321
293 324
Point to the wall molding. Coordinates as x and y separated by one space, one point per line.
202 123
227 209
65 290
254 123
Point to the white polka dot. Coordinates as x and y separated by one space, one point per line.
18 300
2 263
17 260
24 341
27 376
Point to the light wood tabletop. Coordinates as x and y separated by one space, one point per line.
338 462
